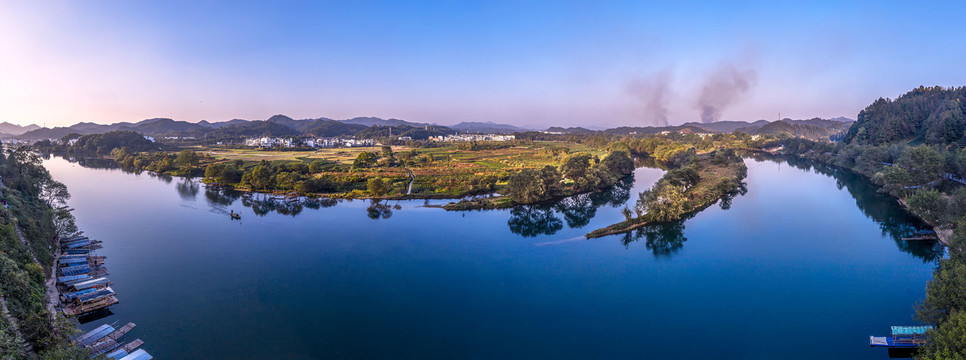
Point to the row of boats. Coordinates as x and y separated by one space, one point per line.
80 277
84 289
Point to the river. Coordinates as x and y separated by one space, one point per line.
806 264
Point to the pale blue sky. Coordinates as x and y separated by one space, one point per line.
520 62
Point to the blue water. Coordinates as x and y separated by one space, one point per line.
806 264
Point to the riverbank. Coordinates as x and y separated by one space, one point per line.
716 179
29 225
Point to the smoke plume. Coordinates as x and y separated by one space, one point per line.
653 92
722 88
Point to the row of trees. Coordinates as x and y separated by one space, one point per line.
185 163
578 173
101 144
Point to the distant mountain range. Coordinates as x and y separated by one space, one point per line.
281 125
814 128
14 129
486 127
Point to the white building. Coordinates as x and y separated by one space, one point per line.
473 137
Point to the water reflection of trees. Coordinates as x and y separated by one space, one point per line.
109 164
894 221
530 221
187 188
379 209
263 204
577 210
663 240
726 200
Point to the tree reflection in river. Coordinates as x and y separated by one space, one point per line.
532 220
262 204
222 197
187 188
663 240
894 221
577 210
378 209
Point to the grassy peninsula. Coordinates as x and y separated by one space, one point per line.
696 183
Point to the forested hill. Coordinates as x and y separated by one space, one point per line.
930 115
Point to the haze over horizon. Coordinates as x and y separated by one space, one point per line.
535 64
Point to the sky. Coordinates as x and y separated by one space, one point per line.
528 63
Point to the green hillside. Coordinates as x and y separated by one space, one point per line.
930 115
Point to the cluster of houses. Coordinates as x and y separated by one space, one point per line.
84 289
314 143
473 137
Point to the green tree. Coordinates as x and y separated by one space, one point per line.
945 293
316 166
387 152
551 180
287 180
213 172
186 158
661 203
377 186
364 159
619 163
923 163
261 177
526 186
929 204
947 341
230 175
576 166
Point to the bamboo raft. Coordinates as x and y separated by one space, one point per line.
111 341
902 337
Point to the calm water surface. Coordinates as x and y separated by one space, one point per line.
807 264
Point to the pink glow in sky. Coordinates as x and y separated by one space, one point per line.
536 64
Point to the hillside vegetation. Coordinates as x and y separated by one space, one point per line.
930 115
37 211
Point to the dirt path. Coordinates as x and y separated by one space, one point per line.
409 190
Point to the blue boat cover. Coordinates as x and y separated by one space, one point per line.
910 330
92 336
95 295
117 354
75 267
138 354
69 278
72 295
91 283
77 244
76 251
72 260
76 238
76 270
